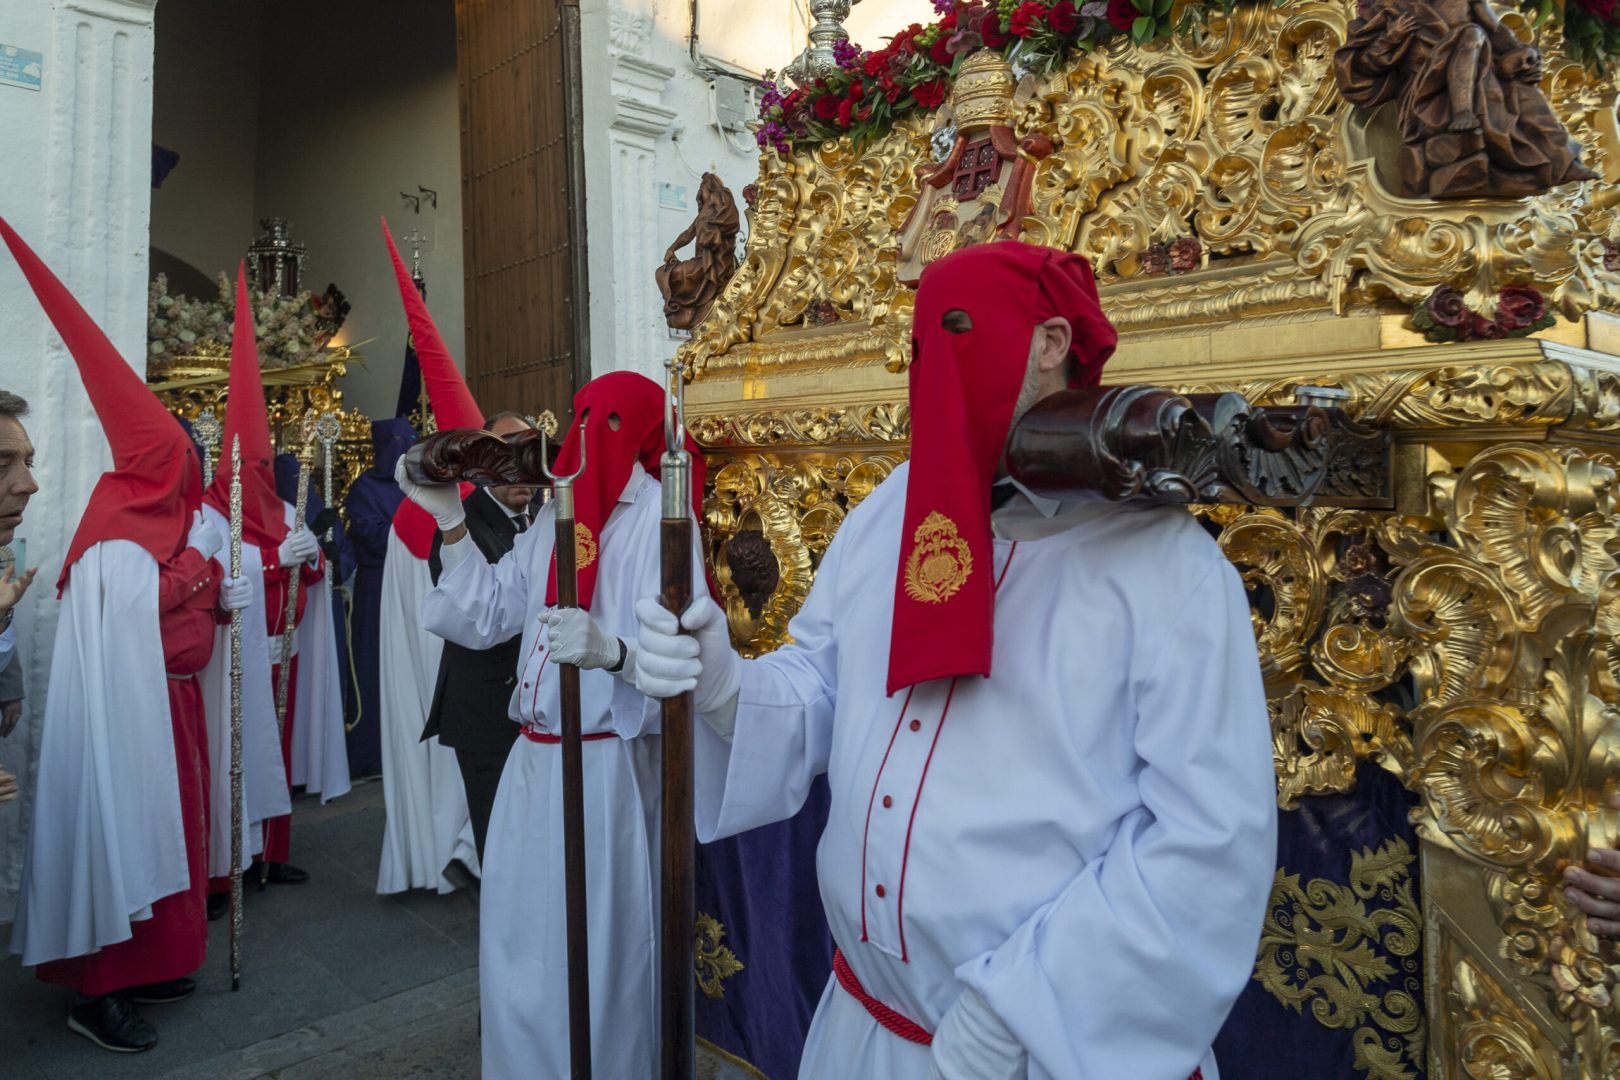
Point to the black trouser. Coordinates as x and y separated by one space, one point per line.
481 776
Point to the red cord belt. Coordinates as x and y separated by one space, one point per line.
546 738
892 1021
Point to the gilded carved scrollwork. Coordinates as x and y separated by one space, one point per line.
1472 655
1233 135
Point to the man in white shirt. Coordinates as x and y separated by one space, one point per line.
1052 830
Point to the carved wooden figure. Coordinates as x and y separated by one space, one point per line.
690 285
1472 118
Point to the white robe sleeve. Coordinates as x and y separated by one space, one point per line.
8 643
784 727
1141 957
478 605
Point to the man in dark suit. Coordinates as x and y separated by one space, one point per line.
469 710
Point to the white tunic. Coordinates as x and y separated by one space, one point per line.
522 960
427 822
106 839
1087 838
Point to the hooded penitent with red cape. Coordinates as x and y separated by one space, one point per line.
428 825
114 882
521 960
311 749
1052 826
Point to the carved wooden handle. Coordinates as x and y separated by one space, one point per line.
1130 442
478 457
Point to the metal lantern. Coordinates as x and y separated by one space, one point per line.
276 262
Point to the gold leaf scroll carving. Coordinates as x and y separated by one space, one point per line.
1234 136
1351 954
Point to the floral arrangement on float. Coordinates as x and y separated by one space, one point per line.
913 73
291 330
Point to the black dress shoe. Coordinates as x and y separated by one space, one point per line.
112 1023
161 993
287 874
218 905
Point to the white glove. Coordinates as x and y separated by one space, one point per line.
443 501
205 536
574 638
669 662
299 547
235 594
973 1043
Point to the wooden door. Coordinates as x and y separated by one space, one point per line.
527 337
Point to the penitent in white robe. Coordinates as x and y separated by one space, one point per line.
427 822
1087 837
522 954
320 762
106 840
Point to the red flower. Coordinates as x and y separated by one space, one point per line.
1600 9
1476 327
892 91
1186 254
1064 18
994 37
826 107
845 112
931 95
948 23
940 51
1122 13
1026 20
856 91
877 62
1519 308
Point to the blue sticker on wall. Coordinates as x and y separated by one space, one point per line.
21 67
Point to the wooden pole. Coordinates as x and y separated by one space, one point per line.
573 786
678 916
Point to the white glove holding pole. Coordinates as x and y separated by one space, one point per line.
205 536
443 501
669 662
574 638
973 1043
235 594
299 547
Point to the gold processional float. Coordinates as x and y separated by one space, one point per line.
1453 616
1303 216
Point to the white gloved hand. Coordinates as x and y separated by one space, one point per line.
973 1043
669 662
299 547
443 501
205 536
574 638
235 594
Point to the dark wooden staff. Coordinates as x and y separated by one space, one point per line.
573 781
679 906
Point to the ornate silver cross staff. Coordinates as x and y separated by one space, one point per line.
236 720
209 433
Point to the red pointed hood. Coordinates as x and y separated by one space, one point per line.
626 412
156 480
264 515
451 400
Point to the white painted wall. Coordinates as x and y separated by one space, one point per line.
80 146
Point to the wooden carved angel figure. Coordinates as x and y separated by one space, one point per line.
1473 120
981 190
690 285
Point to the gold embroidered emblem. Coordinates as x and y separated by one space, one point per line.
715 963
940 562
584 547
